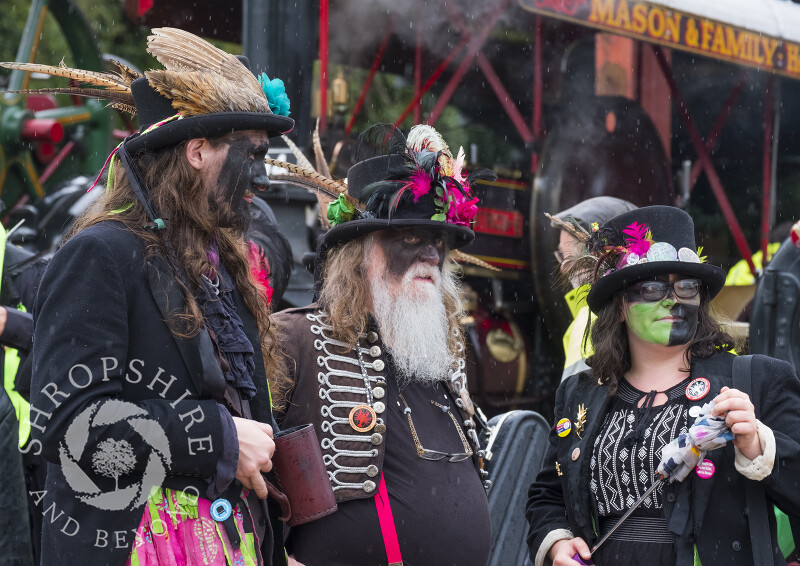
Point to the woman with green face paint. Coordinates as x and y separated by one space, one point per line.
662 311
659 356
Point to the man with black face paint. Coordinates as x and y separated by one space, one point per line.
237 173
169 428
378 367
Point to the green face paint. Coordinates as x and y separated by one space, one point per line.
643 321
664 322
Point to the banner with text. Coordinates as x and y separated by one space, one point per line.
651 22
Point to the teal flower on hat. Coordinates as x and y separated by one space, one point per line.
275 91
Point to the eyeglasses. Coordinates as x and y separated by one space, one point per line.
652 291
436 455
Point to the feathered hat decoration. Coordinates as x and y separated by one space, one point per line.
644 243
338 206
202 92
198 78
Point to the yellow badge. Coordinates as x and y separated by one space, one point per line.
563 428
580 422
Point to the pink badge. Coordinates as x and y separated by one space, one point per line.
705 469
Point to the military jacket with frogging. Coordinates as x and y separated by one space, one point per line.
330 379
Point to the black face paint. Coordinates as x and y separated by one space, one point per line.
683 329
243 172
405 246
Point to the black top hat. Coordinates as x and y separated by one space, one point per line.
153 107
642 243
422 187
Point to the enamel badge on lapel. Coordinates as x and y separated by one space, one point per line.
362 418
698 388
580 422
563 427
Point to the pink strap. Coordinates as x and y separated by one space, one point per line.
388 530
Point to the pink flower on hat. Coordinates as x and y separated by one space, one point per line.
462 208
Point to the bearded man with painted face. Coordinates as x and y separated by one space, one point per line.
378 365
150 397
659 356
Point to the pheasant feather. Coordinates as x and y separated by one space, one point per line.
128 74
108 81
112 96
302 160
329 187
322 163
461 257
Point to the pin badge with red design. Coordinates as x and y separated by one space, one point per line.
698 388
362 418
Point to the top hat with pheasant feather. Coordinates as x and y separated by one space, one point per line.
202 92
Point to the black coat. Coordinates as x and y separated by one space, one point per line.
708 513
100 336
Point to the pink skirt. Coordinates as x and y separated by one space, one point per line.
177 530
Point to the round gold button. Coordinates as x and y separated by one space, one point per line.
380 428
372 470
575 453
378 365
369 486
378 392
376 438
372 337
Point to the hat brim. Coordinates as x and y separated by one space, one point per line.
603 289
209 126
458 236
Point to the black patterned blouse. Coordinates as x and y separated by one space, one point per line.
624 461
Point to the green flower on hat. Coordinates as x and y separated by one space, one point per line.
275 91
340 211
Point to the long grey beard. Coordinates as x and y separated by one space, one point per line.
414 328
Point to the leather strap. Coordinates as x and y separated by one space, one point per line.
388 530
755 498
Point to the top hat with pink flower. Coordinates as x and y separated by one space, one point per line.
401 181
644 243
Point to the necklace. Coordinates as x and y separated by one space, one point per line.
435 455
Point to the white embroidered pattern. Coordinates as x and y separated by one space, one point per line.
333 383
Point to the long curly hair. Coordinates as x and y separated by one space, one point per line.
344 294
177 190
611 359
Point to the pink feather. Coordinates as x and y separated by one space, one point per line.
259 265
640 238
419 185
